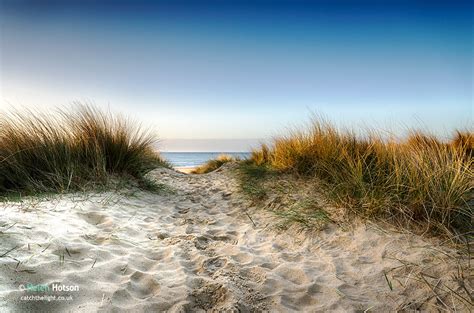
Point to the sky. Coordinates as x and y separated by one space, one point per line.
243 71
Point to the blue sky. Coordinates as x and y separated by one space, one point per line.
243 69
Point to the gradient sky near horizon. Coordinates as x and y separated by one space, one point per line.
241 70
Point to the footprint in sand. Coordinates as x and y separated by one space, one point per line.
142 285
201 242
95 218
209 295
231 239
183 210
213 264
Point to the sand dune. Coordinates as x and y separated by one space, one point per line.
192 248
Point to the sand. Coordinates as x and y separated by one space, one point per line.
200 246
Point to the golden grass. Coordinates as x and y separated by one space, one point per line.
67 150
213 165
418 179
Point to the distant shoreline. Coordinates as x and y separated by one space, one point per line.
183 161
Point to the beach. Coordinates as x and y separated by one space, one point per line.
185 169
186 162
236 156
198 245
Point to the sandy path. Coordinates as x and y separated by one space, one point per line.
192 250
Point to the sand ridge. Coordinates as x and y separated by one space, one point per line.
193 249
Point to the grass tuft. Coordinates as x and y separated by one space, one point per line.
214 164
70 150
252 178
419 179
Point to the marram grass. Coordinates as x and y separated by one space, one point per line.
68 150
213 164
418 179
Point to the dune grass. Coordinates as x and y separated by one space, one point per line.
252 177
213 165
70 150
418 179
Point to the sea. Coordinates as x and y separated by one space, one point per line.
192 159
